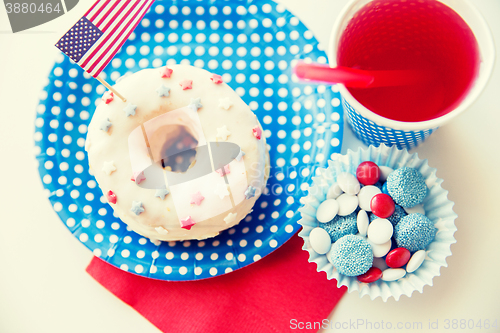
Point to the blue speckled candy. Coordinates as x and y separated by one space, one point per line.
351 255
341 226
398 214
384 189
414 232
407 187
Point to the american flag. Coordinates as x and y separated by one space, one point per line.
98 35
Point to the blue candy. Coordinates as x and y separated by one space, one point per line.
407 187
351 255
384 189
414 232
398 214
341 226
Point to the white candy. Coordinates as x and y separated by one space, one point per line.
380 263
415 209
380 231
380 250
365 196
347 204
384 172
393 274
334 191
348 183
327 210
362 222
320 240
415 261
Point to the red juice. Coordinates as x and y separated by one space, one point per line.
411 35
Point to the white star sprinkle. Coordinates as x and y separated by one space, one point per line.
230 218
225 103
161 230
108 167
221 190
222 133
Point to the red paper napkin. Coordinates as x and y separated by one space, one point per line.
275 294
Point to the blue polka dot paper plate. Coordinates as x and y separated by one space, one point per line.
253 44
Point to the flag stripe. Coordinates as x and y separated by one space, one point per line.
124 37
91 8
116 15
107 16
116 24
100 9
108 13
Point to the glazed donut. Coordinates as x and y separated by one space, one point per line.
183 158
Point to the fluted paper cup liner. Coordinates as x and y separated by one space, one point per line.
437 208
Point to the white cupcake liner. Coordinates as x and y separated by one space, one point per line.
437 208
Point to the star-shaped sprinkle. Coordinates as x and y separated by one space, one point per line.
195 104
105 125
111 196
163 91
137 207
240 155
221 190
225 103
223 171
187 223
230 218
138 177
217 79
197 198
250 192
108 97
257 132
108 167
130 109
165 72
186 84
161 193
161 230
223 133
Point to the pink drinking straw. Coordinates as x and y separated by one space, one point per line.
357 78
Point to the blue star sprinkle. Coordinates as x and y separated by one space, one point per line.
195 104
130 109
250 192
163 91
240 155
162 193
137 207
105 125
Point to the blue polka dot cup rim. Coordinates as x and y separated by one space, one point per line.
487 53
438 208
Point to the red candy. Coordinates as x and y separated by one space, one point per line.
372 275
111 197
398 257
368 173
257 132
382 205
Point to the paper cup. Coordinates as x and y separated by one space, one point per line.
372 128
437 208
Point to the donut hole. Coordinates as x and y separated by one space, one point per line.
178 152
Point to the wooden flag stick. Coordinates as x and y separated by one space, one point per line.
111 88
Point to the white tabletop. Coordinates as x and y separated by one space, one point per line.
44 289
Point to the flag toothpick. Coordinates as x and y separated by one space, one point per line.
111 88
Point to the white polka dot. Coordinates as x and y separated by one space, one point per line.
273 243
83 237
198 270
183 270
167 270
259 229
213 271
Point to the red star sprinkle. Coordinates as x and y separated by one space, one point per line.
257 132
197 198
108 97
187 223
165 72
186 84
138 177
111 197
217 79
225 172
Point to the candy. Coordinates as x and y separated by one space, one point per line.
327 210
108 167
414 232
225 103
217 79
130 109
195 104
187 223
249 192
362 222
230 218
382 205
351 255
186 84
111 197
108 97
197 198
137 207
393 274
416 209
397 257
138 177
341 226
163 91
334 191
257 132
365 196
223 133
348 183
165 72
380 250
368 173
372 275
385 171
380 231
384 188
379 263
320 240
407 187
347 204
415 261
